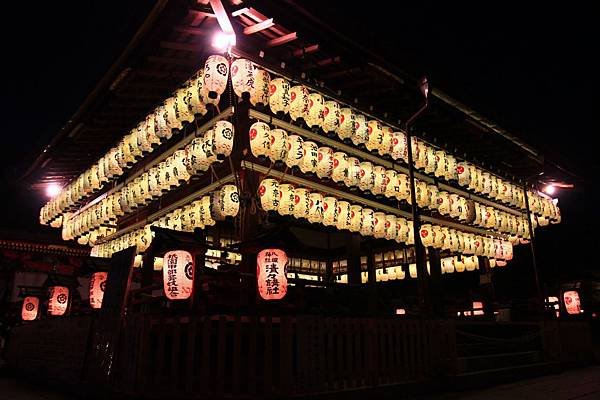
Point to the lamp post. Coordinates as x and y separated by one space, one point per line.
424 301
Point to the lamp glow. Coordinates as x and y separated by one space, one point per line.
52 190
550 189
223 41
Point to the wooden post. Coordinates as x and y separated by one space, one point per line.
353 255
372 282
437 290
486 286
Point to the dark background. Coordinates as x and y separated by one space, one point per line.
531 69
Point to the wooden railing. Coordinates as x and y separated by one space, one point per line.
223 355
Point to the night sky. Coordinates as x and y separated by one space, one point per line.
529 69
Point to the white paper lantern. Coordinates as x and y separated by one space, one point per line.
343 215
432 195
315 209
229 201
330 211
367 177
393 184
324 167
385 147
352 178
315 116
271 274
259 94
206 218
391 227
287 199
178 275
379 225
279 95
278 149
464 173
195 93
216 73
30 308
260 139
97 288
367 226
268 192
404 188
223 138
340 167
399 146
295 153
374 135
421 193
301 203
310 157
331 116
361 130
58 300
347 124
355 218
242 76
299 102
380 180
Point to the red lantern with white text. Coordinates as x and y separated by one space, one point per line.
58 300
178 274
97 285
271 274
572 302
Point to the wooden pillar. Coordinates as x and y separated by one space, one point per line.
353 255
435 280
486 286
372 282
329 271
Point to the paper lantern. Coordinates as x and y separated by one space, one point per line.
97 286
196 93
179 167
279 95
421 193
340 167
361 130
427 235
379 225
268 192
310 157
402 224
438 237
295 152
355 218
471 263
259 94
347 124
58 300
455 203
391 227
367 227
30 308
367 177
242 76
260 139
324 162
315 208
178 274
299 103
572 302
286 201
331 116
278 148
393 184
205 216
432 195
380 180
412 270
182 106
399 146
430 159
271 274
216 73
301 203
228 201
343 215
314 117
374 135
352 178
464 173
330 211
223 138
385 147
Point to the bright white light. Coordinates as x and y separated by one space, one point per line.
222 41
52 190
550 189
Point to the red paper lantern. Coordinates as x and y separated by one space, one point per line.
271 265
29 311
97 285
572 302
59 300
178 274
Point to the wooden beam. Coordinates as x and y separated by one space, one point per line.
199 13
186 62
282 40
180 46
192 31
222 16
239 12
266 24
306 50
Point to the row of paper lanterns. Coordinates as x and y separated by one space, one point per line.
174 171
202 213
277 145
205 87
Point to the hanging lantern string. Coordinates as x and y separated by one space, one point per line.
214 176
283 175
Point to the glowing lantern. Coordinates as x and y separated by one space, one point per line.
260 139
295 152
402 230
340 166
279 96
379 225
29 310
501 263
178 274
223 138
204 212
301 203
331 116
455 205
361 130
432 195
374 135
367 226
441 164
268 192
314 117
391 227
242 76
399 146
347 124
259 94
58 300
412 270
471 263
421 193
97 286
315 208
427 235
299 103
271 274
385 147
404 188
355 218
352 179
195 93
179 168
393 184
216 73
183 109
572 302
343 215
228 203
464 173
286 202
421 153
430 159
324 162
367 178
278 149
310 158
438 237
330 211
380 180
